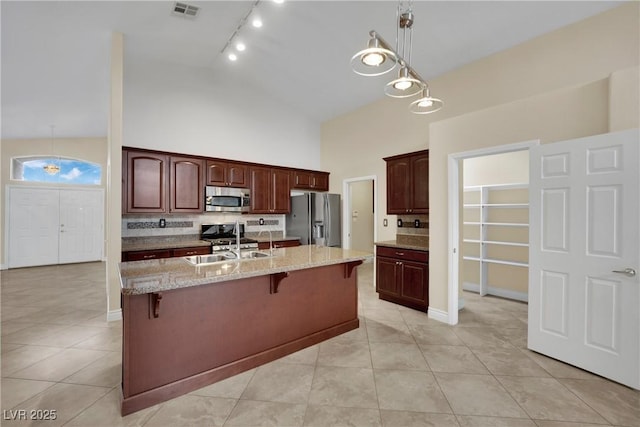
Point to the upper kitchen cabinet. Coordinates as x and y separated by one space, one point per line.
310 180
270 190
226 174
186 190
145 182
150 179
408 183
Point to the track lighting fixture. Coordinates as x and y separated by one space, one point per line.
379 58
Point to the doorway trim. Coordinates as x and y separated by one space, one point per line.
346 208
454 169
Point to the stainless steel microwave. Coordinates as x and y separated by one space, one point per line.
227 199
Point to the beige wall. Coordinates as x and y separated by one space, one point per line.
91 149
505 168
552 88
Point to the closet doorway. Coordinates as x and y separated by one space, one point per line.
495 225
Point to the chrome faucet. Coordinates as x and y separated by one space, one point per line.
270 240
237 251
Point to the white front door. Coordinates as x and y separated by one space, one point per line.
53 226
33 227
81 225
584 294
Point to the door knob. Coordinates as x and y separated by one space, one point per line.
630 272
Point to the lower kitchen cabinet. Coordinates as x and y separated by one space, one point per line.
279 244
402 276
165 253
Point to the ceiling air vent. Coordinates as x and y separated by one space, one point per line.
186 10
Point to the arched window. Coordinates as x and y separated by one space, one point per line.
60 170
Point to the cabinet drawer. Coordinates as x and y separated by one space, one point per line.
405 254
199 250
142 255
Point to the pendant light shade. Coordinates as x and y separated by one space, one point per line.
426 104
375 60
404 86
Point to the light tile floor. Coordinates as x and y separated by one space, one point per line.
398 369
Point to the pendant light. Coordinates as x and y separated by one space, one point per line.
379 58
51 168
426 104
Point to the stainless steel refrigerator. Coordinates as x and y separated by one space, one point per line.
315 218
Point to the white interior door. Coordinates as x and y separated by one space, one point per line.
584 295
33 227
81 225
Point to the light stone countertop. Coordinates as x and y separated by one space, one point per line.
395 244
142 277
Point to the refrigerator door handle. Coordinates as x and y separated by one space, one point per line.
327 239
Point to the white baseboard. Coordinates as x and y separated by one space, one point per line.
499 292
113 315
439 315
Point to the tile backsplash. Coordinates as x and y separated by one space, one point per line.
149 225
413 229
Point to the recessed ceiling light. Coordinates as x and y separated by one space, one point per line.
232 57
278 1
240 47
257 22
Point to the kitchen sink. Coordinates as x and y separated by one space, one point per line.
253 254
224 257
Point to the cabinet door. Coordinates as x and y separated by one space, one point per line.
281 191
387 276
415 280
398 186
216 173
302 179
260 184
142 255
146 178
236 175
420 182
186 190
320 182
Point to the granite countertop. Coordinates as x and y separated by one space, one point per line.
168 242
395 244
142 277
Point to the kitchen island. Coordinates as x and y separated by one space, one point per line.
186 326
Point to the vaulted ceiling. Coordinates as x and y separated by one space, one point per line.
55 54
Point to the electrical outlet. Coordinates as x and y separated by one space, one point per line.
162 223
261 221
385 222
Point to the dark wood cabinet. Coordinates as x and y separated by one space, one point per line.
226 174
310 180
142 255
279 244
270 190
402 276
186 190
145 182
408 183
151 179
165 253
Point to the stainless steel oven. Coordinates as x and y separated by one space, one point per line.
227 199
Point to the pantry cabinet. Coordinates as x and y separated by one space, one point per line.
408 183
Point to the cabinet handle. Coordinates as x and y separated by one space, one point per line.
148 256
192 252
400 253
